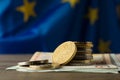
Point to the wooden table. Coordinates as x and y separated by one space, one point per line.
10 60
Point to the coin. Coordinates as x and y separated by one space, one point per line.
81 61
64 53
56 66
45 66
83 55
84 52
84 44
39 62
78 64
41 67
83 49
27 63
23 64
83 58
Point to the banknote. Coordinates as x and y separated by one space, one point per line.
102 63
101 59
116 60
41 56
92 69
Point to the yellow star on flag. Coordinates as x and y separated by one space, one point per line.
93 15
27 9
104 46
72 2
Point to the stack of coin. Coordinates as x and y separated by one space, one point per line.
73 53
38 65
28 63
83 55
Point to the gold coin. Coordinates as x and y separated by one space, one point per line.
81 61
78 64
23 63
27 63
45 66
83 57
64 53
84 44
38 62
41 67
83 49
56 66
84 52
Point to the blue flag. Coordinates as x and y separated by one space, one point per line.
27 26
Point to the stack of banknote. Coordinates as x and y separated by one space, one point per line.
99 66
71 56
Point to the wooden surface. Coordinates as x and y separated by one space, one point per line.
10 60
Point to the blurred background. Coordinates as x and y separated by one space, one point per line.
27 26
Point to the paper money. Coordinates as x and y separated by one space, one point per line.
42 56
101 59
92 68
108 67
78 54
116 60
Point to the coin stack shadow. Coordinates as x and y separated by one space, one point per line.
83 55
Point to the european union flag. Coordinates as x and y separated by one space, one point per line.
27 26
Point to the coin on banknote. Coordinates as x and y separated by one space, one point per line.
41 67
56 66
84 44
83 48
64 53
23 64
78 64
27 63
83 58
81 61
82 54
45 66
39 62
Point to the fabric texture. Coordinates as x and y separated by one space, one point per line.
27 26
